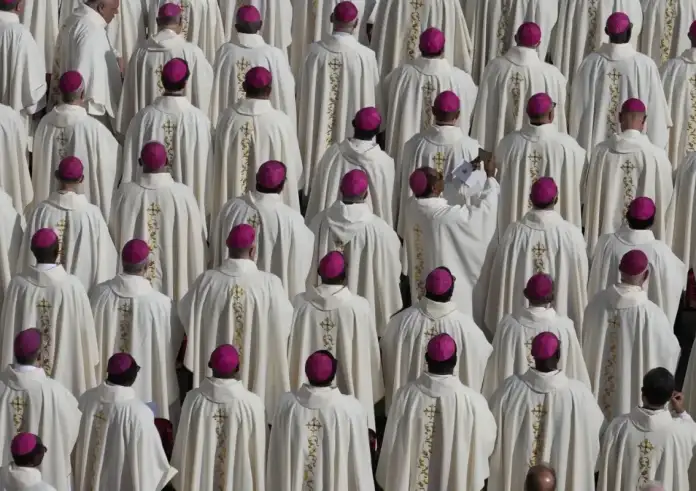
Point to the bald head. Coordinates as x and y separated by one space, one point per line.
540 478
106 8
652 486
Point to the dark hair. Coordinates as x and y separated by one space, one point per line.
176 86
334 364
28 359
168 21
658 386
441 367
365 135
435 55
248 27
33 458
545 206
622 38
8 6
57 175
70 97
254 93
125 379
445 117
46 255
276 190
640 224
338 280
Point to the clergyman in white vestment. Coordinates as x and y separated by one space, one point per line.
41 17
319 436
14 173
11 236
129 27
28 453
626 335
545 416
277 25
409 332
119 448
667 28
221 440
439 413
681 218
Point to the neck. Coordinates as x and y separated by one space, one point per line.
346 30
445 123
259 97
179 93
68 189
653 407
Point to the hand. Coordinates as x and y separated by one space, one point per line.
677 402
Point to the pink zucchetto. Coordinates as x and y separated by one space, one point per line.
44 238
432 41
70 82
544 191
70 169
248 14
544 346
439 281
332 265
539 288
224 359
153 156
24 444
271 174
617 23
258 78
241 237
354 184
27 342
169 11
642 208
418 182
539 104
119 364
441 348
692 29
447 102
634 262
136 251
175 71
528 35
319 367
345 12
633 106
368 119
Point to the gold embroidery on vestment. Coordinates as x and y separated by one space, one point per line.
628 187
645 448
243 67
439 162
158 74
539 414
170 128
608 374
247 135
539 254
691 126
19 405
327 326
125 326
535 158
61 142
423 477
427 119
238 308
220 476
516 93
502 31
614 100
591 27
45 308
61 226
185 14
666 40
153 226
335 66
313 441
98 430
415 30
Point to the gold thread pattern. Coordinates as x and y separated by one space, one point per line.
608 380
238 308
691 127
170 129
528 350
439 161
335 66
328 327
427 90
314 426
19 405
591 27
516 93
420 261
125 326
666 40
534 158
98 430
614 99
254 221
185 13
153 212
45 309
61 226
502 30
539 253
61 142
645 448
243 67
539 414
628 191
339 245
247 134
415 31
158 74
220 477
423 477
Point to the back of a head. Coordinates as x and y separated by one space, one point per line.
658 387
248 20
541 477
618 28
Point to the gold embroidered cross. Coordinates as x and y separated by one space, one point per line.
517 78
314 425
539 250
18 404
158 72
627 166
253 221
246 130
431 411
431 332
416 4
220 417
237 292
44 306
335 64
61 139
535 158
539 411
327 325
243 65
100 416
645 446
439 161
614 76
125 309
153 209
615 323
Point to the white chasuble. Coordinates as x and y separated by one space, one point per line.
30 401
545 418
679 82
365 17
533 152
69 131
541 242
406 339
307 28
247 135
277 21
13 475
621 169
283 241
14 173
604 81
85 247
624 336
131 317
55 303
681 218
118 448
439 432
164 214
221 439
239 305
11 236
506 85
646 445
143 81
371 249
128 28
232 62
42 18
186 133
330 317
341 158
665 29
319 440
668 273
512 347
398 26
339 77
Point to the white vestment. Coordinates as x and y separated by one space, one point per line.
339 77
545 418
16 478
283 241
341 158
624 336
69 131
41 17
85 247
644 446
665 29
319 440
681 218
163 213
186 133
621 169
232 62
406 338
679 82
143 81
247 308
371 249
131 317
604 81
439 431
277 21
221 439
365 17
11 236
512 347
128 28
524 156
506 85
33 402
330 317
14 173
247 135
118 448
307 28
56 303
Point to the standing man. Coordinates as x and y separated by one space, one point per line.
28 453
667 27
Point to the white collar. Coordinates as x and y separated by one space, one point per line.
92 16
24 368
9 17
250 40
521 56
156 180
45 266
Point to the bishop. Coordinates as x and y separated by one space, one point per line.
28 453
667 28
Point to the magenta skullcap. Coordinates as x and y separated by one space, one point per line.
539 104
27 342
319 367
368 119
692 29
119 364
432 41
439 281
248 14
24 444
528 35
271 174
174 71
258 78
441 347
169 10
544 191
70 169
153 156
224 359
642 208
418 182
447 102
634 262
617 23
136 251
345 12
545 345
70 82
633 106
241 237
539 288
332 265
354 184
44 238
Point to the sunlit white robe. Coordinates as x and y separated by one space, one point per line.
41 17
681 219
365 10
665 29
679 83
307 27
13 475
14 173
11 236
128 28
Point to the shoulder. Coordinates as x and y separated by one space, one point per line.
552 72
643 59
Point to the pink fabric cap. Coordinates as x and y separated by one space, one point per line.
539 287
23 444
418 182
332 265
447 102
539 104
692 29
441 347
258 78
544 346
271 174
345 12
439 281
44 238
367 119
633 106
153 156
634 262
642 208
432 41
70 169
169 10
248 14
27 342
319 367
136 251
241 237
70 82
119 363
175 71
544 191
528 35
617 23
224 359
354 184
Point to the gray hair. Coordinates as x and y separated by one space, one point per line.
652 486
